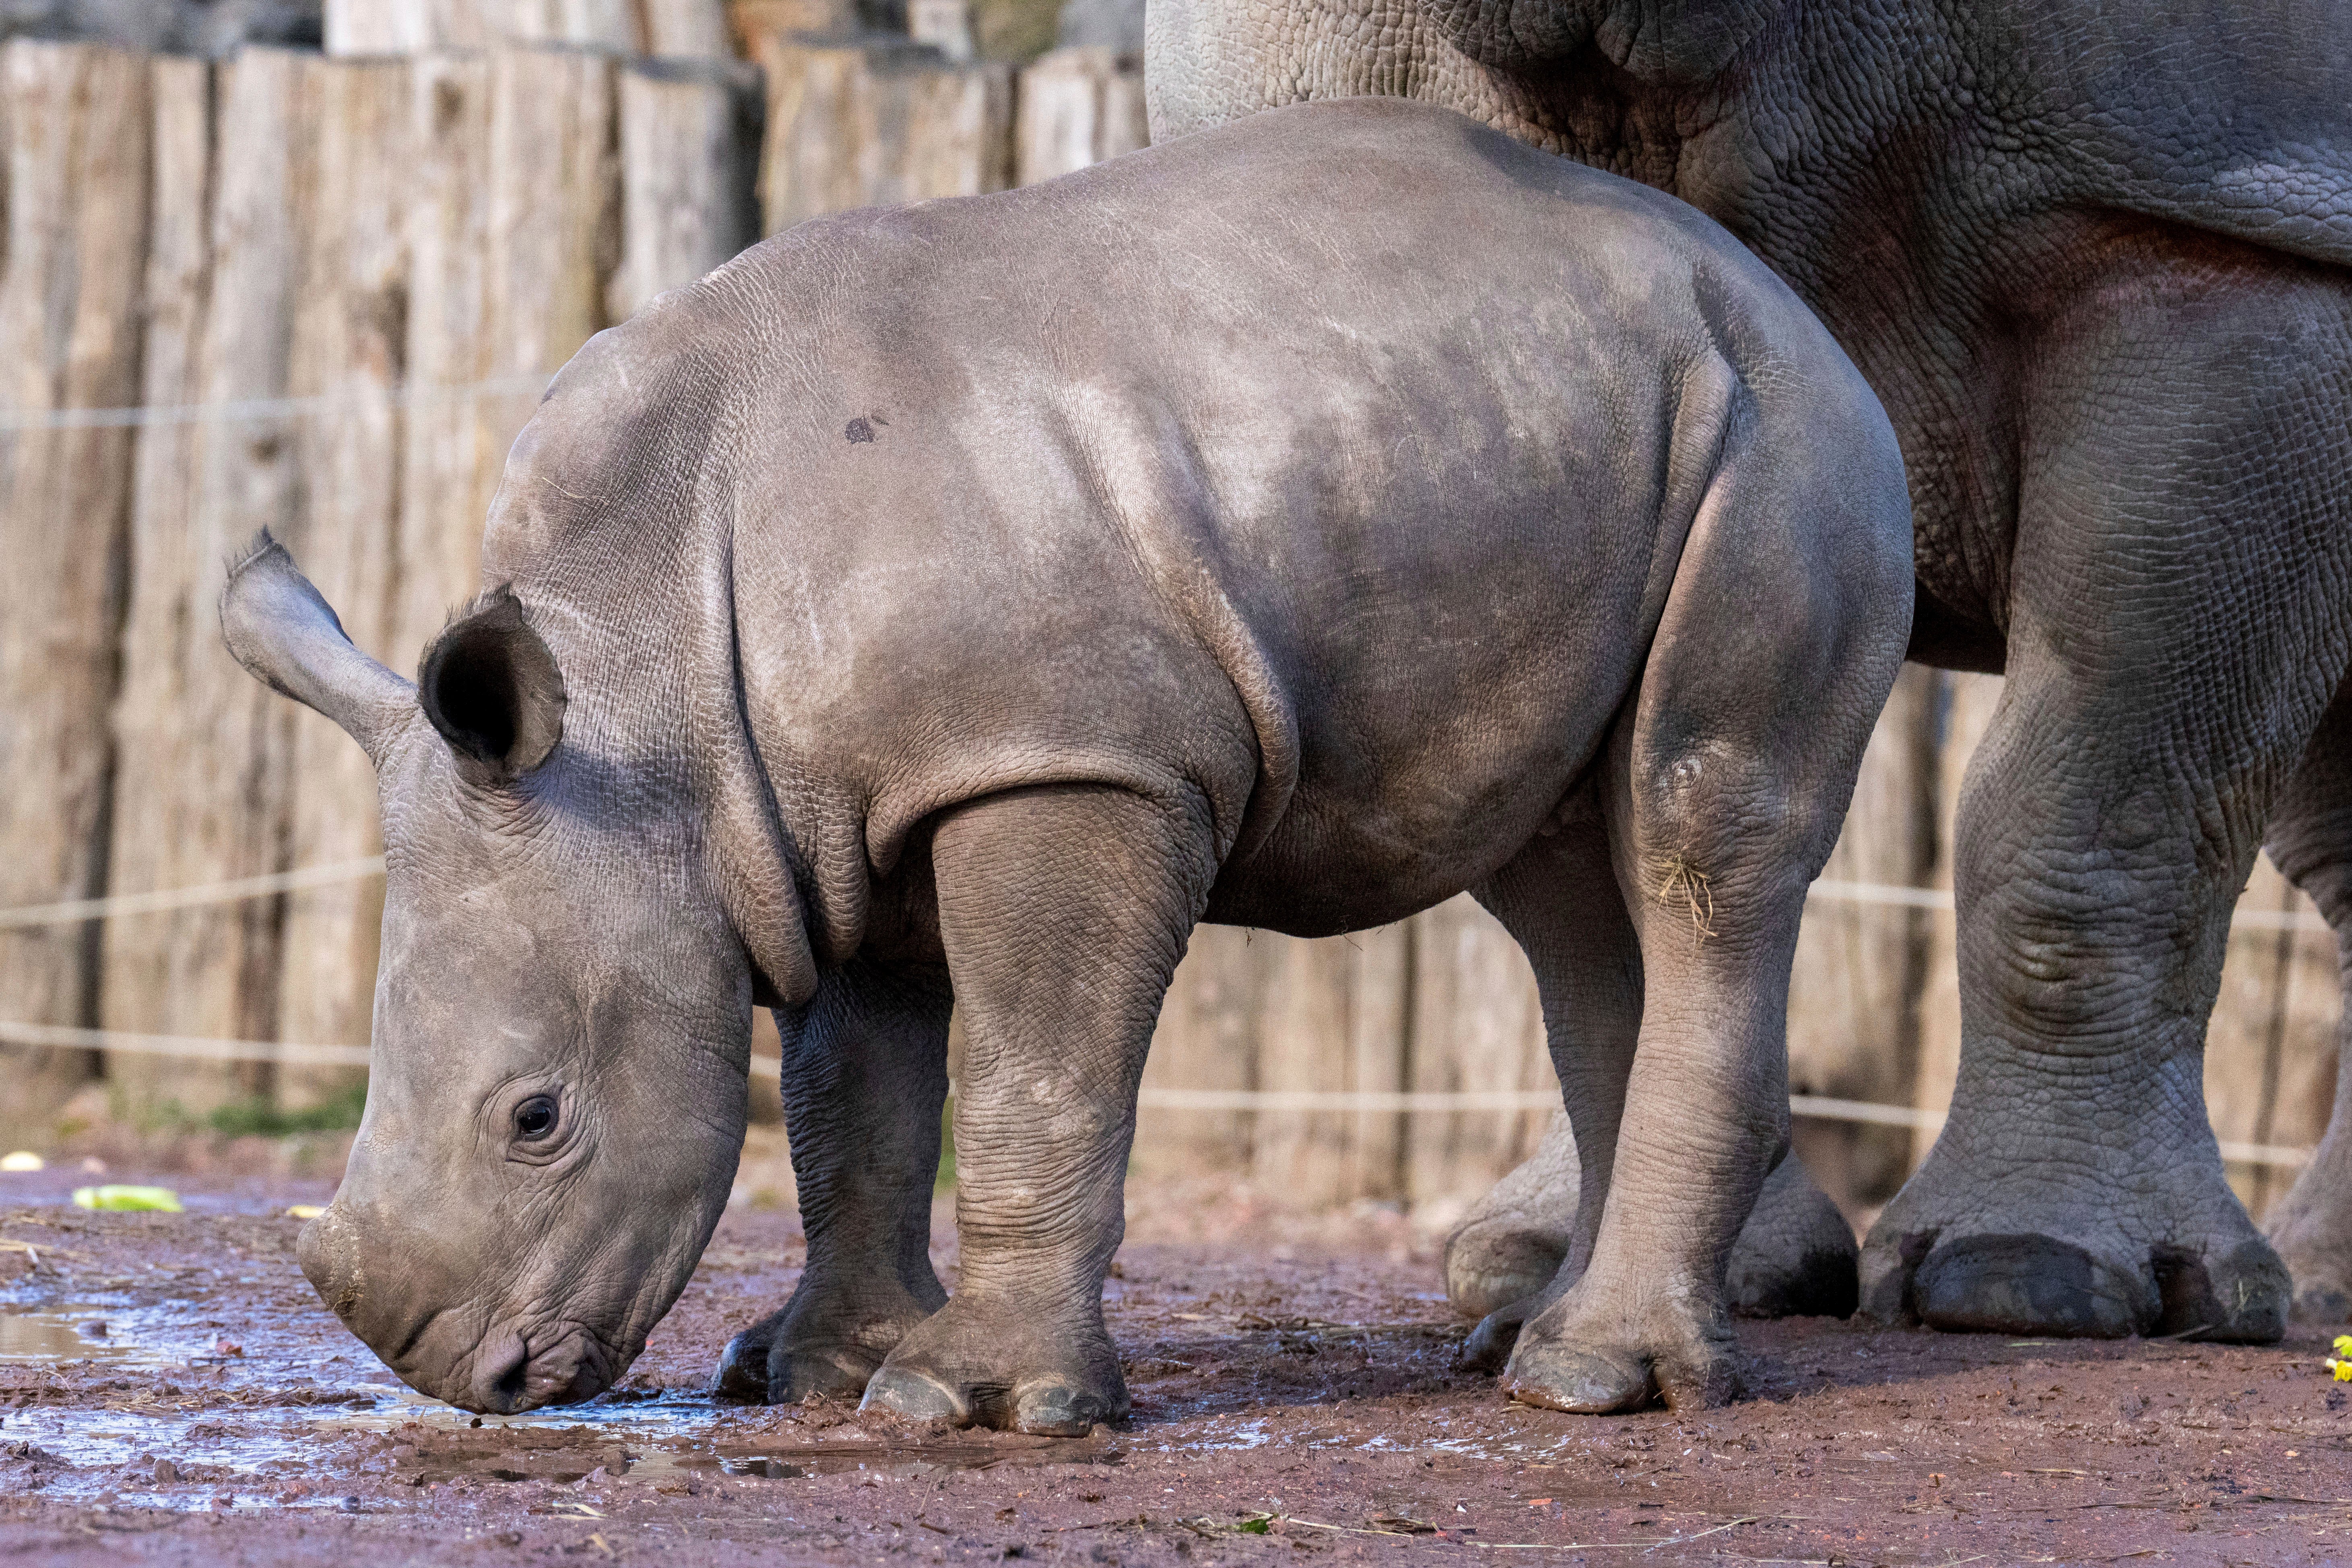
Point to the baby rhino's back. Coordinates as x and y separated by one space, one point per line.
1422 406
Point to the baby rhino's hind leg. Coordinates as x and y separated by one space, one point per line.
1725 783
864 1077
1558 897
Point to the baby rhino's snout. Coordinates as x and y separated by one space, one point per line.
431 1328
328 1250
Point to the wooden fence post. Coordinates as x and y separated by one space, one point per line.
876 122
441 461
670 27
1078 106
1477 1025
515 237
78 138
690 174
1967 702
1853 991
1334 1018
1207 1038
2270 1053
350 345
202 782
682 29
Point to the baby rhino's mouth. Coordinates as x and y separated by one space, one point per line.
511 1372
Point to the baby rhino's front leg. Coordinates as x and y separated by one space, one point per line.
864 1074
1064 910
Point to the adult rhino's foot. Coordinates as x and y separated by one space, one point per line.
2311 1229
1579 1355
1796 1257
1511 1243
2050 1247
805 1349
987 1365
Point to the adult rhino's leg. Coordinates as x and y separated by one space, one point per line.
1558 897
2310 838
1725 788
1064 912
2177 619
1795 1256
865 1076
1513 1240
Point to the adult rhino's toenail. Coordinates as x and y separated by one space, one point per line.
915 1397
2032 1284
1058 1411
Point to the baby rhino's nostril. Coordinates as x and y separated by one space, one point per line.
501 1382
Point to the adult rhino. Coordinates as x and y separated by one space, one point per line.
2093 258
965 600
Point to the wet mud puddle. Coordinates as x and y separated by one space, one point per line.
79 1331
266 1454
662 1439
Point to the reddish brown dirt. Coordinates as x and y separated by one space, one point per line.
1290 1378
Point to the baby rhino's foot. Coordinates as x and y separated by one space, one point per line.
802 1351
1582 1356
982 1365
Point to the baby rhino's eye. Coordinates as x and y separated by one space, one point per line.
535 1118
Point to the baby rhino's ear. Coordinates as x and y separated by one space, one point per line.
490 685
278 627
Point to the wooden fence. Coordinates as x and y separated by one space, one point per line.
333 285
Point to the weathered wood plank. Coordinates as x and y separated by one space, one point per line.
515 238
1207 1038
555 211
1968 702
1078 106
443 461
1477 1024
77 131
350 343
874 122
614 24
2310 1037
689 173
755 26
2271 1049
403 26
683 29
945 25
1333 1018
202 782
426 27
1855 988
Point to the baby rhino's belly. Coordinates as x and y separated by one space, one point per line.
1373 834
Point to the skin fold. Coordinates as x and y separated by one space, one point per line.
2091 256
963 601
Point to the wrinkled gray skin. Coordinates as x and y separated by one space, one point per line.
2093 258
968 599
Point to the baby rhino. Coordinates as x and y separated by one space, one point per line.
1290 526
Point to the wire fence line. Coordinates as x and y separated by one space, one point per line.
250 410
71 911
1294 1102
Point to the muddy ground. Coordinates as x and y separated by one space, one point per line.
1294 1400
